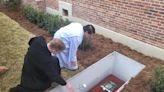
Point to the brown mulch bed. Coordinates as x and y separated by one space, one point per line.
102 47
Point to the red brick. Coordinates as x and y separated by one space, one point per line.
139 19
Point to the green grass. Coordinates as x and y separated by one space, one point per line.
13 46
68 74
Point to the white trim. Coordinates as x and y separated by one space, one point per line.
66 6
52 11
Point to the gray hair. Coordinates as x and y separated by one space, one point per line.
57 44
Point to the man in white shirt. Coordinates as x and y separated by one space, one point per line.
72 36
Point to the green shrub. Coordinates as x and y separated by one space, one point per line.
12 4
157 81
55 23
43 20
30 13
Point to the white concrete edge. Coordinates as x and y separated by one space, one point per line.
96 76
134 44
86 71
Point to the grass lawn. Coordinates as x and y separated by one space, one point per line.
13 46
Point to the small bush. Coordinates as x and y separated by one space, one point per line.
30 14
157 81
12 4
55 23
43 20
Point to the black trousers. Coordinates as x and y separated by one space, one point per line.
18 88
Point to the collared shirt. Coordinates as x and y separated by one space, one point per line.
72 36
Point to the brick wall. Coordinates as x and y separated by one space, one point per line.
29 2
68 1
38 4
41 4
139 19
52 3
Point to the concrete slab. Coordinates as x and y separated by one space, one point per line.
115 63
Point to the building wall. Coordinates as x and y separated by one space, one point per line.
41 4
69 1
37 4
139 19
52 4
29 2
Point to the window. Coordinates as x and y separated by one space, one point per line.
65 12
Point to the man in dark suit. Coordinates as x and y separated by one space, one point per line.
40 69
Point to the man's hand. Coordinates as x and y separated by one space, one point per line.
70 87
3 69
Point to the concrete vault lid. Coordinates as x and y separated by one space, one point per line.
115 63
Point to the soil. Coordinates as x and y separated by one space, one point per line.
102 47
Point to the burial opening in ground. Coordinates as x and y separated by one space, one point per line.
110 74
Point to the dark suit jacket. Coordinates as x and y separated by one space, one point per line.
40 69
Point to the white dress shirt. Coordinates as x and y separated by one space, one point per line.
72 36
